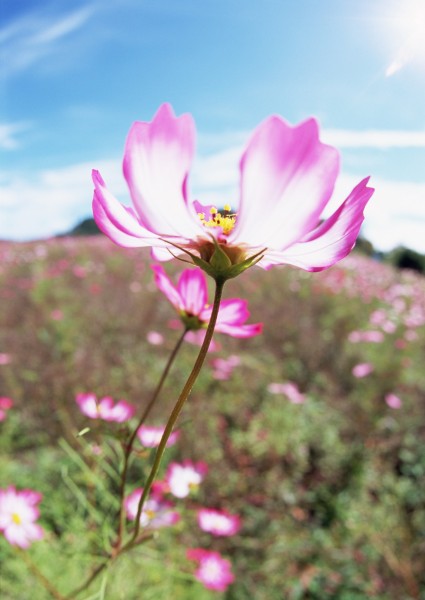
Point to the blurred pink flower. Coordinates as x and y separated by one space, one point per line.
374 337
56 314
214 571
393 401
190 299
362 370
218 522
287 176
185 477
79 271
290 390
5 405
156 511
5 358
105 408
18 515
223 367
155 338
150 436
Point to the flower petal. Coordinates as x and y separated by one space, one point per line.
233 311
156 164
164 284
287 178
192 287
231 319
332 240
117 221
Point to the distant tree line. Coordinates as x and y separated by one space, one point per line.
400 257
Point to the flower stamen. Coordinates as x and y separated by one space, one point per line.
224 219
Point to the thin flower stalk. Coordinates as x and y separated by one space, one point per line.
40 576
129 446
179 406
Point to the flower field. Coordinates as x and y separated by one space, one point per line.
297 470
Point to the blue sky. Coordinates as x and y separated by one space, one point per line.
75 75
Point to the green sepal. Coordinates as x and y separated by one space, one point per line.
219 266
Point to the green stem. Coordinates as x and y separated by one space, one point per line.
97 571
178 406
129 446
40 576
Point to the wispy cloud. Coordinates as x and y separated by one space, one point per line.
34 36
48 202
374 138
9 134
380 139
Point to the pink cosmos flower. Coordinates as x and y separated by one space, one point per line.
218 522
185 477
223 367
393 401
374 337
155 338
105 408
290 390
214 571
190 299
156 511
5 405
5 358
287 176
151 436
362 370
18 515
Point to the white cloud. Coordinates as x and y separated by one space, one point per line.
29 39
9 134
395 215
381 139
51 201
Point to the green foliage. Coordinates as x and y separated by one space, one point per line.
331 491
405 258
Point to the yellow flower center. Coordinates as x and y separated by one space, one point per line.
225 219
16 519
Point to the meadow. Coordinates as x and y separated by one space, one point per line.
313 437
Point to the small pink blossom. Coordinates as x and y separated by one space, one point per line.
185 477
79 271
190 299
5 405
393 401
223 367
156 511
287 176
375 337
214 571
218 522
18 515
5 358
150 436
362 370
56 314
289 389
155 338
411 335
105 408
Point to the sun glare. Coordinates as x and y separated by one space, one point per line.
408 25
